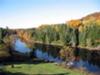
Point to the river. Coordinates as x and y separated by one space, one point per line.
44 55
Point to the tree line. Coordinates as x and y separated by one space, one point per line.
71 33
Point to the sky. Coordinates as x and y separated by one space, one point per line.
33 13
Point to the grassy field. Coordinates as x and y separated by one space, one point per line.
40 69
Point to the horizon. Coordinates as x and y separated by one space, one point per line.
17 14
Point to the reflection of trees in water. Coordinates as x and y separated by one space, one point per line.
82 53
92 56
50 49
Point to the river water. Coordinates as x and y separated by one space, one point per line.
21 46
40 54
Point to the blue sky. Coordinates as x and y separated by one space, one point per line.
32 13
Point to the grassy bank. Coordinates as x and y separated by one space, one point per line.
38 69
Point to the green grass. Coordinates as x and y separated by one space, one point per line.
42 68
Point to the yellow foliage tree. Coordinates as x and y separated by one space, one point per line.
24 35
74 23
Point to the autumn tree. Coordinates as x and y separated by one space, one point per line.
75 24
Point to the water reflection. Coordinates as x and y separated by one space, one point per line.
21 46
46 56
86 65
77 64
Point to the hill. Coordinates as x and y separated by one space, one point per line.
95 15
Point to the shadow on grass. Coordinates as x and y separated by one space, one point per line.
36 61
19 73
9 73
3 72
53 74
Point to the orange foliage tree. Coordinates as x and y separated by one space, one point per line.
75 24
24 35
